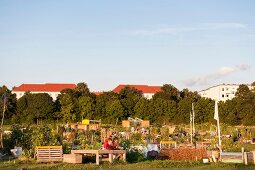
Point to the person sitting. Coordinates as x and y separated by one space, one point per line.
108 144
115 144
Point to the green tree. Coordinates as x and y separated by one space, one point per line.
101 101
194 96
142 108
11 103
33 107
129 97
82 89
68 104
245 100
115 111
168 92
184 109
162 111
87 107
204 110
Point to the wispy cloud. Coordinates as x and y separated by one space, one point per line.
222 72
185 29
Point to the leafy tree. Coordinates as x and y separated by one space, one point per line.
162 111
32 107
115 111
245 100
228 112
194 96
142 108
204 110
169 92
69 108
101 101
129 97
82 89
11 103
184 109
87 107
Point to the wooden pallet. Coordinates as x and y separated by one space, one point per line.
49 153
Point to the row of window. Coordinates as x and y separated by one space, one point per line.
223 89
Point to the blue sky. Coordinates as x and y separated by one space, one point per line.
191 44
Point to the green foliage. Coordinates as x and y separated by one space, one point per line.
128 98
134 157
169 92
88 140
136 138
100 108
114 111
86 106
141 109
32 107
11 103
125 144
31 136
170 106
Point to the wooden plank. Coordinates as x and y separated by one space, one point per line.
97 158
49 153
84 151
48 147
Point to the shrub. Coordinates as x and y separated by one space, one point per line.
134 157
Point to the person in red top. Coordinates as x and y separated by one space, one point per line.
108 143
115 144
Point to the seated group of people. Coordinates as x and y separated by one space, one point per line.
111 144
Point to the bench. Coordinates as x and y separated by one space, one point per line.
49 153
100 153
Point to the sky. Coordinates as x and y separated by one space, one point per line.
192 44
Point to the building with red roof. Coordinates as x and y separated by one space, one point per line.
52 89
97 92
148 91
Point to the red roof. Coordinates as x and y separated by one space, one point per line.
143 88
44 87
97 92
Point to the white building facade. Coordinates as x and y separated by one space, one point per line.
222 92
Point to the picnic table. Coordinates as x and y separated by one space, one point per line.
99 153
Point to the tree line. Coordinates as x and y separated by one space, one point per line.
169 106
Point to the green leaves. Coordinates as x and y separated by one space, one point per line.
31 107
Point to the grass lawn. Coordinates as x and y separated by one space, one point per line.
166 164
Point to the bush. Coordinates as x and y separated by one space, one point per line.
31 136
134 157
125 144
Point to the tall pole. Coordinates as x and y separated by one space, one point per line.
218 129
216 117
193 118
191 128
2 122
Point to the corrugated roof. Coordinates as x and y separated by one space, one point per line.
48 87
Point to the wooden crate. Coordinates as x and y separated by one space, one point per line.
49 153
125 123
72 158
145 123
